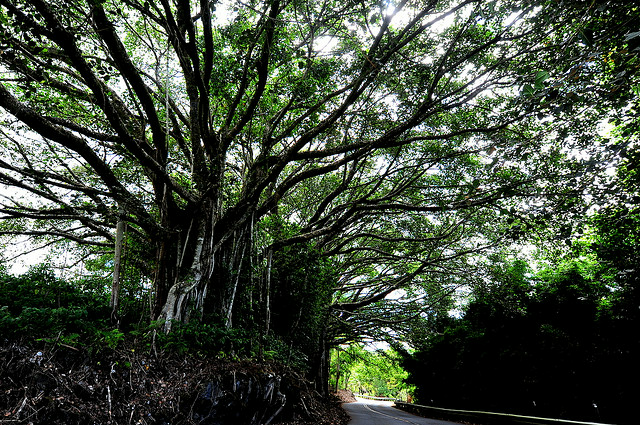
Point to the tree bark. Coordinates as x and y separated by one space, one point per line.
337 369
204 268
186 288
319 371
267 303
117 261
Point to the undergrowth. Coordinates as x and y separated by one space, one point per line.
41 308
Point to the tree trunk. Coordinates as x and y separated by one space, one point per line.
117 261
319 371
325 370
201 268
337 369
187 289
267 302
235 267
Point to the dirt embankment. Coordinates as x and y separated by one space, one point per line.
62 385
346 396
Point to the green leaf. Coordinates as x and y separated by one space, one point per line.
527 90
541 77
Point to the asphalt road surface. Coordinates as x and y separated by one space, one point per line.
369 412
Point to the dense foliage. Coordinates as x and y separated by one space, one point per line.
39 305
365 371
561 342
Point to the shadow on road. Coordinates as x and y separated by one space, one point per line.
376 412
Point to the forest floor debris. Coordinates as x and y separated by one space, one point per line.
55 384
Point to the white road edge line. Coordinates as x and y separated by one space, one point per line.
389 416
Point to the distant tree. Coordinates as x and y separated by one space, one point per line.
376 373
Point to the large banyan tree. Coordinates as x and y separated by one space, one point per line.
390 140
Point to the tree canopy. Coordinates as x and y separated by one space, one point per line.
386 143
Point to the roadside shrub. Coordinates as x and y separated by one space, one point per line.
197 337
38 305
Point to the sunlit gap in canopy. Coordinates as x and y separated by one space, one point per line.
22 251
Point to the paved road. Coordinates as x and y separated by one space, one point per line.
369 412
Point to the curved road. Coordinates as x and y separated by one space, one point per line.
370 412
